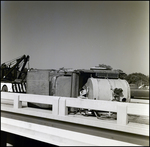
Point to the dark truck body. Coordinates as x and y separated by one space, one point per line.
139 93
67 83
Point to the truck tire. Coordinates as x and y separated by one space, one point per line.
5 88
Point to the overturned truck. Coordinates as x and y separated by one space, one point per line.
95 83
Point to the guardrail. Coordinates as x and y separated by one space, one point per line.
41 99
60 106
122 109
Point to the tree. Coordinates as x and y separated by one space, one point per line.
122 75
136 78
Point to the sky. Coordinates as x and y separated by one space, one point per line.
77 34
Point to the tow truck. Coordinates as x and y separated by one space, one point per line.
13 75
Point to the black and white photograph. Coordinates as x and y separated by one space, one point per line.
74 73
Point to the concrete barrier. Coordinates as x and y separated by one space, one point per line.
60 111
57 136
42 99
122 109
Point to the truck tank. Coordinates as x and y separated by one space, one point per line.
107 89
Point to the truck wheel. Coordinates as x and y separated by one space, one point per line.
5 88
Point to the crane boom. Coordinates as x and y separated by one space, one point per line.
15 72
